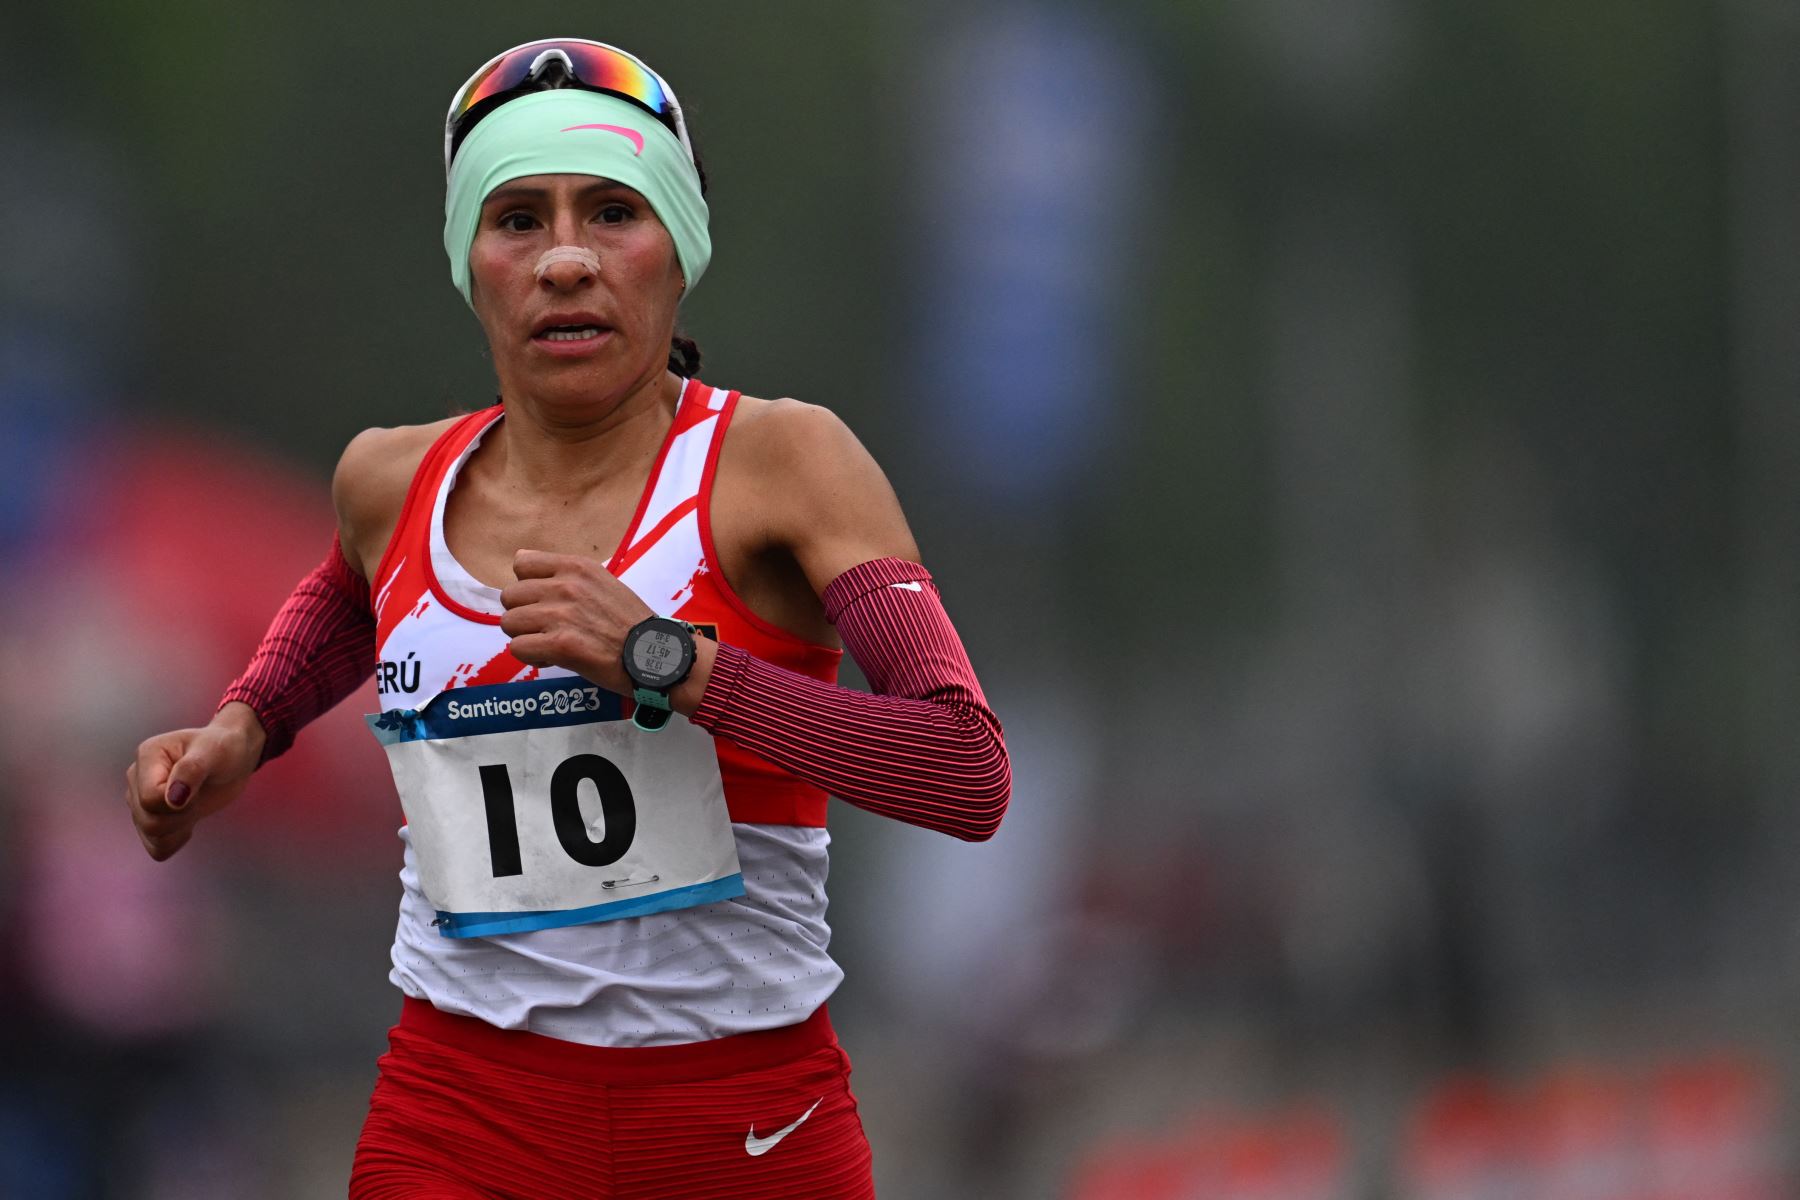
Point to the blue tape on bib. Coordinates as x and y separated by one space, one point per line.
499 708
461 925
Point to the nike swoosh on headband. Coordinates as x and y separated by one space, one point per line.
633 136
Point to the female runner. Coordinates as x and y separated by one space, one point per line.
605 617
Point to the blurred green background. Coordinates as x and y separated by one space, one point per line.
1357 442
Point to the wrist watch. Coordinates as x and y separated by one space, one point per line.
657 653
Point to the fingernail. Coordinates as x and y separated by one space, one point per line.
178 794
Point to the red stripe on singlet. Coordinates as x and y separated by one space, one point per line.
648 541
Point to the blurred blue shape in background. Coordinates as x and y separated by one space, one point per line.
1030 165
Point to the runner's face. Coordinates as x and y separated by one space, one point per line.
571 333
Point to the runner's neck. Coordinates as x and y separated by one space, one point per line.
550 454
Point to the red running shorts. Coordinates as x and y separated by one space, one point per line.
465 1111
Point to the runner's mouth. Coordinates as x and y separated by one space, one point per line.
570 333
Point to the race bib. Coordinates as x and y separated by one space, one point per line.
533 805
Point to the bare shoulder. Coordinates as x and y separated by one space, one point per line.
809 445
369 486
825 497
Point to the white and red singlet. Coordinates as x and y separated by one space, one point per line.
697 969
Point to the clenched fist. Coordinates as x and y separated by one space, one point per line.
571 612
187 774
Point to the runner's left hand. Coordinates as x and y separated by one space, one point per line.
569 611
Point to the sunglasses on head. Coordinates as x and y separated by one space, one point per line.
584 64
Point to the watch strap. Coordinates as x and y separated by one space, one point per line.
653 709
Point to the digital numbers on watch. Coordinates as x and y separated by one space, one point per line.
657 657
658 653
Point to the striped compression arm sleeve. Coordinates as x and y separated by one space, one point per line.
924 749
319 648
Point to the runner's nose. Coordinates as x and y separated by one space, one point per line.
565 267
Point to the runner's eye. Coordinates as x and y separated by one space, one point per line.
516 221
615 214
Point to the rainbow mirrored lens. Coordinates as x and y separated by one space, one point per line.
591 64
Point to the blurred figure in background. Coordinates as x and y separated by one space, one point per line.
117 997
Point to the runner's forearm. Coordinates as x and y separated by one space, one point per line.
319 648
925 749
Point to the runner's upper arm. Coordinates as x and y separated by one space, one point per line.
369 487
833 507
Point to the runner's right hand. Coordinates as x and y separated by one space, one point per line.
187 774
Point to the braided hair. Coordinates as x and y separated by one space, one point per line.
684 352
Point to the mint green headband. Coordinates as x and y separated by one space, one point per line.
566 131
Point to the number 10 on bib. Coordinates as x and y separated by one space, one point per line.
533 805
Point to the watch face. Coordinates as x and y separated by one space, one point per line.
658 658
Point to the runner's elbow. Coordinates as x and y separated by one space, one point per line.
987 800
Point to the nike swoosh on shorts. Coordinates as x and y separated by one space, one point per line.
754 1146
